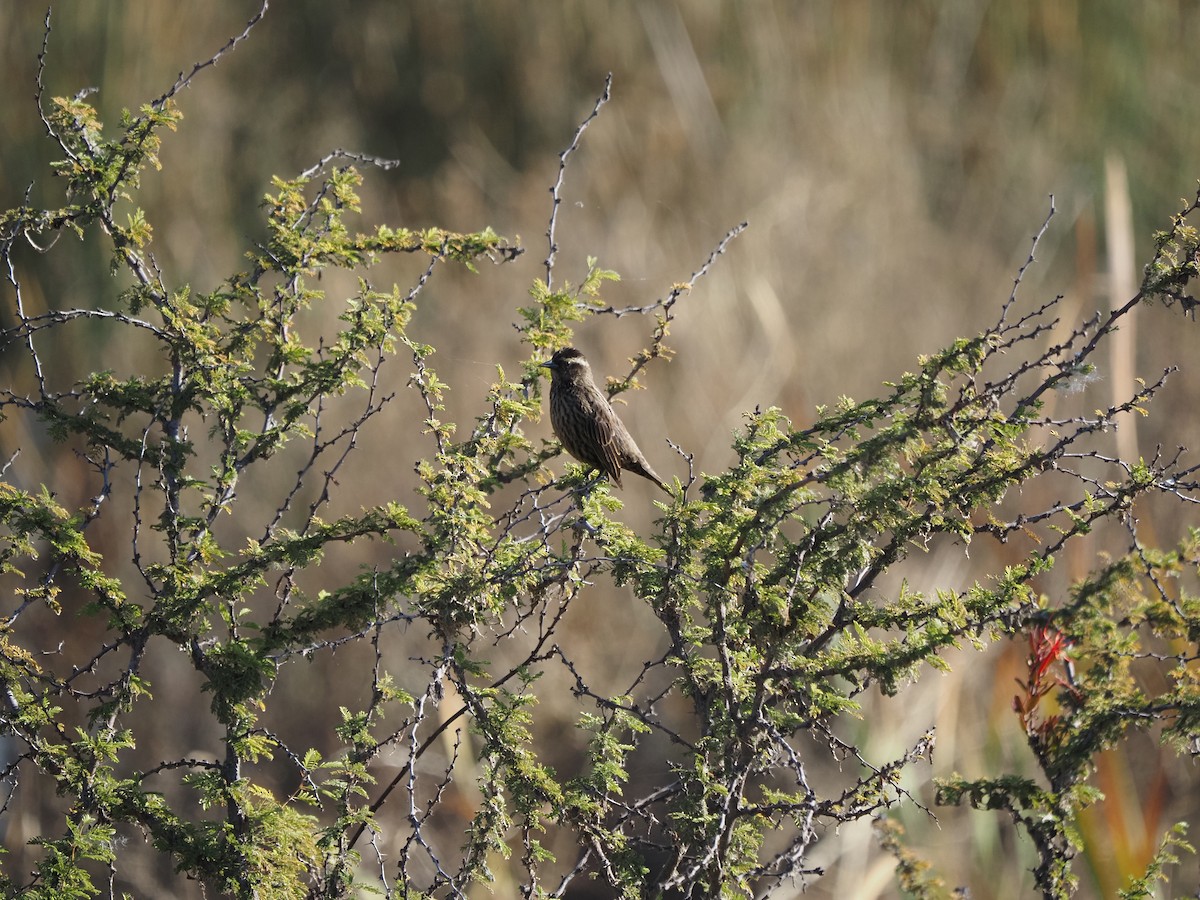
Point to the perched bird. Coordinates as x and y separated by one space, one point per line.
586 424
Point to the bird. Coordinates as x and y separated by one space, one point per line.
586 423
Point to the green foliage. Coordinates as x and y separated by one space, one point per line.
1082 654
1175 262
1143 887
765 582
913 873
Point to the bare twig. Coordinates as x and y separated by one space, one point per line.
556 190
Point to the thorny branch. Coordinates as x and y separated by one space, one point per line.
556 188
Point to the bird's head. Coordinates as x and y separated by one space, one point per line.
569 363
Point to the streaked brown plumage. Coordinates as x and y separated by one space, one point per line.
586 424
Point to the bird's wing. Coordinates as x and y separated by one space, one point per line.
608 440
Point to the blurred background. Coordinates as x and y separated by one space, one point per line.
893 161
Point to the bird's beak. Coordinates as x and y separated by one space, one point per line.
549 364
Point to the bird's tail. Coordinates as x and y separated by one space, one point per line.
641 468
